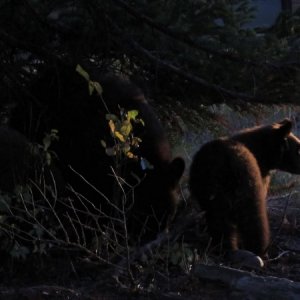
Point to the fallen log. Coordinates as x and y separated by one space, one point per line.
246 285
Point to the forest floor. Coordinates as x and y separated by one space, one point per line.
186 269
70 276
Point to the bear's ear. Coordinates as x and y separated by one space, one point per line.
285 127
176 169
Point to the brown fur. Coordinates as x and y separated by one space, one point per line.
230 177
151 194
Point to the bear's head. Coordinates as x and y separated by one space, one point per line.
289 146
157 196
274 146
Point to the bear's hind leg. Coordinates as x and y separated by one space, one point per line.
222 230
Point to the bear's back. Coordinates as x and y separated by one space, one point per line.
225 169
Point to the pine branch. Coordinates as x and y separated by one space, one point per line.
182 37
32 48
186 75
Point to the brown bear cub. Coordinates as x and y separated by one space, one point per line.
230 176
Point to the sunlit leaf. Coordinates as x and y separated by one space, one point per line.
130 154
119 136
131 114
136 141
112 126
126 128
82 72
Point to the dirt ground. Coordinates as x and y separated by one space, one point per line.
68 275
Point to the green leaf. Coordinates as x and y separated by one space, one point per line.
132 114
119 136
141 121
82 72
95 86
98 88
126 128
112 126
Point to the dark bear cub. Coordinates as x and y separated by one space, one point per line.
229 177
149 195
